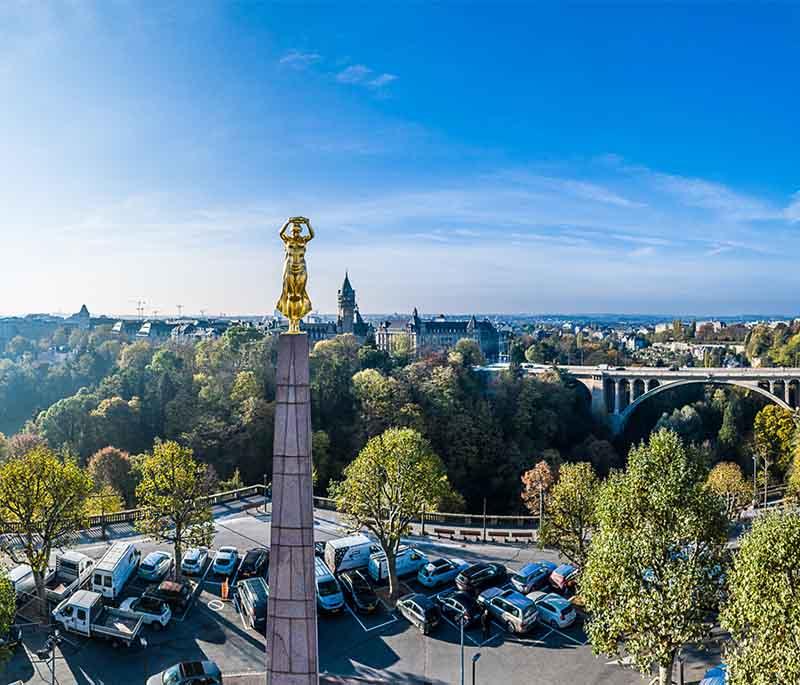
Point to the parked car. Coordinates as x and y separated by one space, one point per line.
420 611
407 563
225 561
440 572
154 612
532 576
454 605
194 561
189 673
252 595
514 610
554 610
344 554
85 613
155 566
564 578
480 576
12 639
329 594
356 586
255 563
176 593
715 676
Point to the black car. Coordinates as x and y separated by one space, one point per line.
480 576
356 586
454 605
419 610
252 595
12 639
176 593
319 550
255 563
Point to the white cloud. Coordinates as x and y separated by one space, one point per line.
792 212
300 60
355 73
647 251
382 80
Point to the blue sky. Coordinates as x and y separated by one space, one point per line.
455 157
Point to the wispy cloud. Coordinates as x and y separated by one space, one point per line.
300 60
647 251
359 74
792 212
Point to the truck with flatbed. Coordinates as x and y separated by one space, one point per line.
72 571
85 614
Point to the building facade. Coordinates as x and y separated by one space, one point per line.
421 336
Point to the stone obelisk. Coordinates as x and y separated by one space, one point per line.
291 651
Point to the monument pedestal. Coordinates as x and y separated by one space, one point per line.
292 653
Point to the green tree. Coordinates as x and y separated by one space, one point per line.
235 482
105 500
8 607
651 574
774 435
468 353
571 511
44 499
763 608
727 481
387 485
172 492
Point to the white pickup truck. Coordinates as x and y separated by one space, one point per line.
85 614
72 571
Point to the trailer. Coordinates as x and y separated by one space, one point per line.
72 571
85 614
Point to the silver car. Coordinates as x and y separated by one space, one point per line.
155 566
512 609
194 561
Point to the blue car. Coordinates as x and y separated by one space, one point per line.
715 676
532 576
155 566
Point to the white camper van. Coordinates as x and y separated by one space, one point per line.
115 568
350 552
408 561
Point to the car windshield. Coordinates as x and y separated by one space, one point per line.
327 588
172 676
519 578
360 584
146 566
528 611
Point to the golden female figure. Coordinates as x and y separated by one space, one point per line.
295 303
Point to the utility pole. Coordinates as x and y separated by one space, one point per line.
462 621
475 658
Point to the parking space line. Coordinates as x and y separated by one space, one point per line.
360 622
458 628
569 637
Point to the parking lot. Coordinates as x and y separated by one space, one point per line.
379 647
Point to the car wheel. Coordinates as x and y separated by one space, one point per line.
252 623
157 626
553 623
510 627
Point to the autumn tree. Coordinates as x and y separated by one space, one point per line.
727 481
387 485
43 499
762 612
535 483
652 570
571 511
113 468
172 492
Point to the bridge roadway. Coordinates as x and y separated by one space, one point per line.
617 391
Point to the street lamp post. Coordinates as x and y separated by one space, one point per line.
462 621
475 658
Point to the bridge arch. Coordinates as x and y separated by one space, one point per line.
663 387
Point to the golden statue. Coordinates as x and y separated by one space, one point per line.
295 303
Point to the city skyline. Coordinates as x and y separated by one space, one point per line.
526 160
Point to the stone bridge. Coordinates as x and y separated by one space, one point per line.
617 391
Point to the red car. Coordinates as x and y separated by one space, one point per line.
564 578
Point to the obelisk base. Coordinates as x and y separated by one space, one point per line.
292 653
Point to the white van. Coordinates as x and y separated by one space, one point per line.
348 553
115 568
329 594
21 578
409 562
